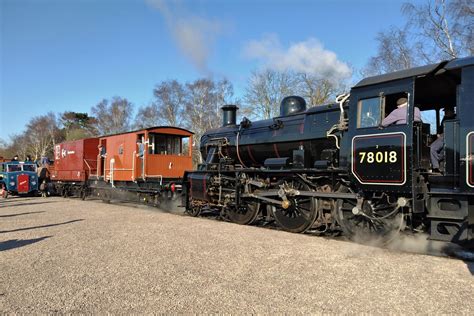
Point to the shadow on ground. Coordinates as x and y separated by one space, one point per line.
20 214
12 201
42 226
17 243
470 266
32 203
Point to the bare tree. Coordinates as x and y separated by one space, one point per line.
169 99
42 134
224 95
436 30
19 145
444 28
316 90
147 116
3 148
463 18
265 90
167 108
393 53
204 98
114 117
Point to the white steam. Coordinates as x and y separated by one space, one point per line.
308 57
195 36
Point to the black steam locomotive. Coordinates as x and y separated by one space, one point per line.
335 167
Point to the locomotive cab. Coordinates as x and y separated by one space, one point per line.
423 152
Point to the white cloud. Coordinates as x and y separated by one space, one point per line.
194 35
308 56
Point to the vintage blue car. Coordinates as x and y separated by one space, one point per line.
18 178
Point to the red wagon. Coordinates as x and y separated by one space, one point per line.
138 165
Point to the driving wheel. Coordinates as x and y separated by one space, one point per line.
244 214
299 212
377 221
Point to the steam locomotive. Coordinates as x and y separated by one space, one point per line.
335 167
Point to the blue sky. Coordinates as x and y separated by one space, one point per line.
58 55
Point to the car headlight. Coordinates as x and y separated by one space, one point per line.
33 182
12 183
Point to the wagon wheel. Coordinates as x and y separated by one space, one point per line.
170 195
3 191
244 214
301 212
377 221
105 197
83 193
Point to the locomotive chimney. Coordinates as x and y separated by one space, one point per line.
292 105
229 115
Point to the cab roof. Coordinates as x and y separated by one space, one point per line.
16 162
416 71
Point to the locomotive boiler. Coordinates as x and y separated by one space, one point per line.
297 137
340 167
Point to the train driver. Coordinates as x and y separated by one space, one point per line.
399 115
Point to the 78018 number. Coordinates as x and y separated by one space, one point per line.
378 157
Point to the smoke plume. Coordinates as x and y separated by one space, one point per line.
308 57
195 36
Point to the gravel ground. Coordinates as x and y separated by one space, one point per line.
67 255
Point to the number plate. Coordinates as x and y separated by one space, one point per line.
379 159
470 159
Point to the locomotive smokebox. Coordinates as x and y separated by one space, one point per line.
292 105
229 115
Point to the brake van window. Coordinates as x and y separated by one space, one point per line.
368 113
162 144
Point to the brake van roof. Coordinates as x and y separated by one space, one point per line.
149 129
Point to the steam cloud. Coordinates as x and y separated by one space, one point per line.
194 35
308 56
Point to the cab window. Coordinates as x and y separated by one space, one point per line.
368 113
29 168
391 103
13 168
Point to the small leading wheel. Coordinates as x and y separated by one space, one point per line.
244 214
377 221
194 208
301 212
